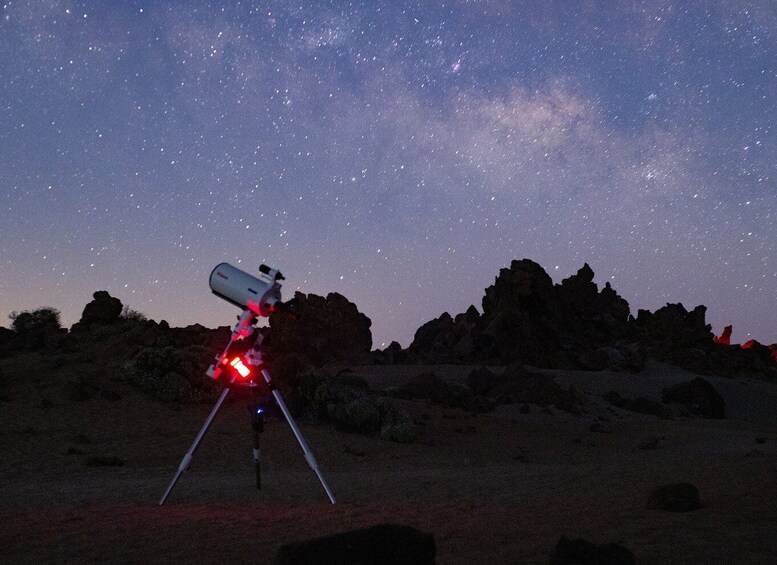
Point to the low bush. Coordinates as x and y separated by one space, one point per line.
172 374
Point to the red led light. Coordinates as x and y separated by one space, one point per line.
240 367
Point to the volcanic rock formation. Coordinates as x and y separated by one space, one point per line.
528 319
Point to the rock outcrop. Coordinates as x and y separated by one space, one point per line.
104 309
573 325
526 318
322 331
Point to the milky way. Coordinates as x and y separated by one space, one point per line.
397 153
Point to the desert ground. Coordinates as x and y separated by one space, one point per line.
500 487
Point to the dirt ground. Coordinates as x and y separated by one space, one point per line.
492 488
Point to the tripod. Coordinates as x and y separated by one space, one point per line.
243 329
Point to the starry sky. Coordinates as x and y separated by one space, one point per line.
399 153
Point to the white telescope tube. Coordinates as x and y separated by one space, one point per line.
244 290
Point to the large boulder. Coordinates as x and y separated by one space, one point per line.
519 385
435 339
698 396
104 309
448 340
676 335
325 330
520 313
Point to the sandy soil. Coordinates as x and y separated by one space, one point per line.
496 488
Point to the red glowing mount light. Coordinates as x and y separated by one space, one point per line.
240 367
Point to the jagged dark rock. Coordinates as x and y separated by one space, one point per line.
392 355
326 330
449 340
528 319
573 325
520 315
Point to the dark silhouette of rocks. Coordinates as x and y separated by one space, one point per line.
392 355
527 318
677 497
574 325
674 328
583 552
324 331
445 340
104 309
698 396
384 544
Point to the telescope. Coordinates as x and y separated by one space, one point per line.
242 361
259 295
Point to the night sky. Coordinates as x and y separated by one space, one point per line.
397 153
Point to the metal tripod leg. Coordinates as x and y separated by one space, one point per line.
305 449
189 454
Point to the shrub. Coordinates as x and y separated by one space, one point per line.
172 375
128 313
28 322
